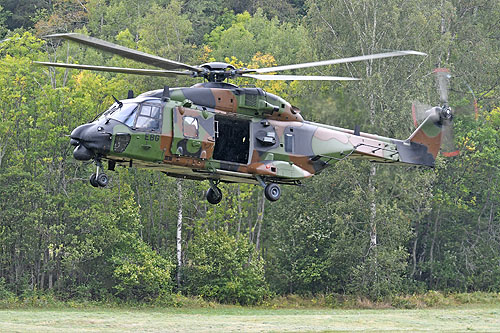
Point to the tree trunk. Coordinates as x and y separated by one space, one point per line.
414 250
373 207
152 232
179 232
239 213
3 150
45 260
260 217
51 272
433 242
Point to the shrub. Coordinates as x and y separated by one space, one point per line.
140 273
225 269
381 275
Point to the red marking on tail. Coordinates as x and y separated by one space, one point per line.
453 153
441 70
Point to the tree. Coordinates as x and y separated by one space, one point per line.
21 14
65 16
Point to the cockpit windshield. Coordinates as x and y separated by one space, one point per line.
125 114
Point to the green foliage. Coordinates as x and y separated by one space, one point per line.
381 274
3 17
5 293
436 229
164 31
20 14
225 269
249 34
140 273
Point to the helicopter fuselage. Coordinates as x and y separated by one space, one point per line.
225 133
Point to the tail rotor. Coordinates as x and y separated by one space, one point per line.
448 147
443 114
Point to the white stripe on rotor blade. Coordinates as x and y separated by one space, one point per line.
339 61
300 77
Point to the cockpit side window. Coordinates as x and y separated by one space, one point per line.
149 118
190 127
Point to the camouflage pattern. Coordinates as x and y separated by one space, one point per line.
216 130
282 147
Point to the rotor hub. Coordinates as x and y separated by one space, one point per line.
446 112
217 71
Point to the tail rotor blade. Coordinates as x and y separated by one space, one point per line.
443 82
448 147
469 111
419 112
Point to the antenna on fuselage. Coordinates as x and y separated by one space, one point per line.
120 104
166 93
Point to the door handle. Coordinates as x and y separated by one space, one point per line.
146 147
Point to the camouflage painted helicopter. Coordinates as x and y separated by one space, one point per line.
220 132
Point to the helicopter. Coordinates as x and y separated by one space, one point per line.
221 132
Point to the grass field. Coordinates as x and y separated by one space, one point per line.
229 319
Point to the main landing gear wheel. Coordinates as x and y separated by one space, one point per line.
214 195
272 191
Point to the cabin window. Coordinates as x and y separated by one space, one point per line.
190 127
289 143
149 118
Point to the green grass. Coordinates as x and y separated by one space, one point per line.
485 318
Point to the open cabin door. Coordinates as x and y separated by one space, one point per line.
233 140
194 133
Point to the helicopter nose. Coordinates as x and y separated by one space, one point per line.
91 140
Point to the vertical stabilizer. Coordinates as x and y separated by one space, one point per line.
429 132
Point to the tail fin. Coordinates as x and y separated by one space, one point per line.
429 133
423 145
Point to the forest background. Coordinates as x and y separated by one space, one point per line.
356 229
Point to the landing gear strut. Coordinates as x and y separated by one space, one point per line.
214 194
99 178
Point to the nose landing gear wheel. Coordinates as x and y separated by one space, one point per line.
102 180
93 180
272 192
99 178
214 196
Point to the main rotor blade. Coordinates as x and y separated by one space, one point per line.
300 77
138 71
334 61
125 52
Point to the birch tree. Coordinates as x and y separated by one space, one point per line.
179 232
